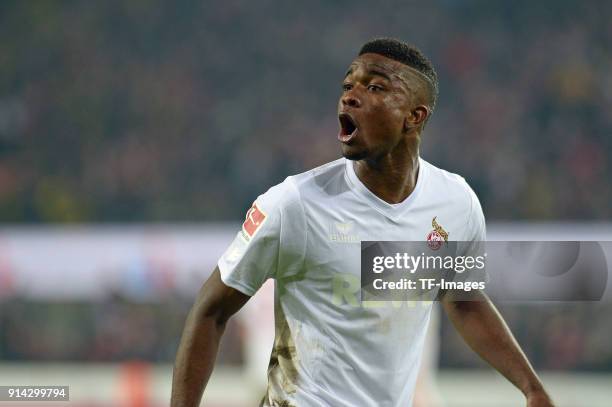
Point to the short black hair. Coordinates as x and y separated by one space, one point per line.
408 55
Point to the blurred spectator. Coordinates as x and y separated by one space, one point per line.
109 331
573 336
149 111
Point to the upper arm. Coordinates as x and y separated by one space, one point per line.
271 242
452 301
218 300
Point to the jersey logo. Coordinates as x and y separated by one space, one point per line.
254 218
343 227
342 232
436 236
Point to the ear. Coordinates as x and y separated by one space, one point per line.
416 117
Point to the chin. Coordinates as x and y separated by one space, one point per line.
353 154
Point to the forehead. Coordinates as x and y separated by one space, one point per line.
381 64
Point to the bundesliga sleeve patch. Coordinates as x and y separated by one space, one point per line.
255 217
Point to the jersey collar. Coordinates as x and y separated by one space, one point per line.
392 211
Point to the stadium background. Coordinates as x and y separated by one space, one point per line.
134 135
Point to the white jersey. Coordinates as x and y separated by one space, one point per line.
330 348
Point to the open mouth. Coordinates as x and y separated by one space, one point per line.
348 127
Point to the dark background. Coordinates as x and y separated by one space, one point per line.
186 111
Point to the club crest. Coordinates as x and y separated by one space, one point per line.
436 236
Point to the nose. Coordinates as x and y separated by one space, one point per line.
349 99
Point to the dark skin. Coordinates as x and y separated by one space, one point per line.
195 358
389 103
482 327
386 101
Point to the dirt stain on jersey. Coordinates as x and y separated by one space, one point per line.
282 369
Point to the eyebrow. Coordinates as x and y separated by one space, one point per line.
371 72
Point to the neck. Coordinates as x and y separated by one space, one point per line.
392 177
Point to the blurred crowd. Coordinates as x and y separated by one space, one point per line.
112 330
573 336
555 336
165 111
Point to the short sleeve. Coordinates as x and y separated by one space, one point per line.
476 225
271 237
474 245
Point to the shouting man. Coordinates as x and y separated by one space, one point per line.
331 349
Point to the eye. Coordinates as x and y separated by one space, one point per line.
375 88
346 87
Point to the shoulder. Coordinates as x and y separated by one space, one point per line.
327 180
319 175
448 184
289 193
453 191
278 197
